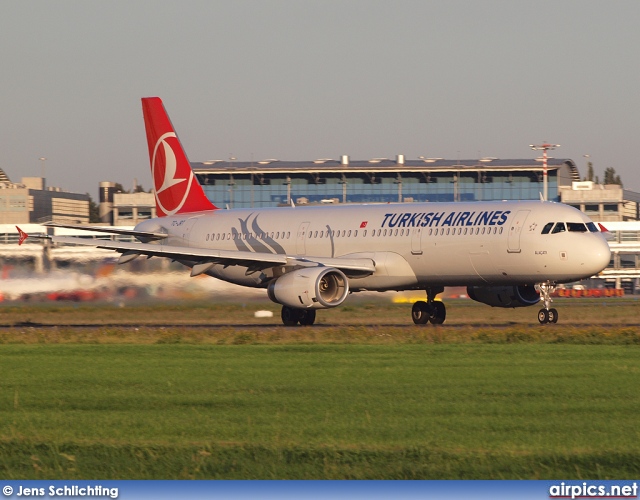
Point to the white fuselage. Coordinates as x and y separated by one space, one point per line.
413 245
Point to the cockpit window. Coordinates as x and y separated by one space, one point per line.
592 227
559 228
576 227
547 228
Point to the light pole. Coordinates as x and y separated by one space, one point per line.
43 160
544 147
589 177
344 188
287 183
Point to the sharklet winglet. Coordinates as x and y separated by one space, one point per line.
23 236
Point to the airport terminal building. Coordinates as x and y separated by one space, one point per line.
271 183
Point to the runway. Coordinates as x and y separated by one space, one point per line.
258 327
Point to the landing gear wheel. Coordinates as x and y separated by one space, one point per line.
290 316
307 317
547 314
543 316
439 313
421 312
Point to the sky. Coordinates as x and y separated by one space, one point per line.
307 79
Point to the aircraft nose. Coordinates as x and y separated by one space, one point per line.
599 254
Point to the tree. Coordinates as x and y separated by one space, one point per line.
94 213
590 171
119 188
610 176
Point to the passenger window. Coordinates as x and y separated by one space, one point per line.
559 228
576 227
547 228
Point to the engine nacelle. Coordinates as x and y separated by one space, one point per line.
310 288
504 296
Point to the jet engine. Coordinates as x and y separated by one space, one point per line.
504 296
310 288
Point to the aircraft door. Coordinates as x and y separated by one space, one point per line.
416 241
301 238
187 230
516 230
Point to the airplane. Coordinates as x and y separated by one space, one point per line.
508 254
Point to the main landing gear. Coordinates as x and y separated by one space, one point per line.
429 311
291 316
546 315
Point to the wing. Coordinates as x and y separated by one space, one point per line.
202 259
111 230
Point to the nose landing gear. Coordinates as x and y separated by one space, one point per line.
546 314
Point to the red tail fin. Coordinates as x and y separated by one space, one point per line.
177 190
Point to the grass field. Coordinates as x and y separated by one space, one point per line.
350 399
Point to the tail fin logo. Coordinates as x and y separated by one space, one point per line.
177 189
172 187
